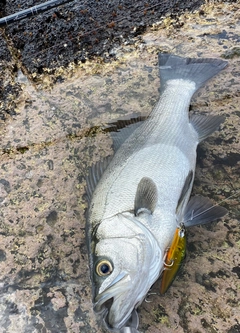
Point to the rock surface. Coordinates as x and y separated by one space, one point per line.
54 135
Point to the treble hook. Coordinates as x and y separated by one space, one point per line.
146 300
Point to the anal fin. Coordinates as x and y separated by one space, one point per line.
201 210
206 125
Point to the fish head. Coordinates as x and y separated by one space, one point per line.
126 261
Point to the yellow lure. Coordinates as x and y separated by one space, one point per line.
174 258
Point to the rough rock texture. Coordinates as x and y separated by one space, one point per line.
9 90
56 135
81 29
69 34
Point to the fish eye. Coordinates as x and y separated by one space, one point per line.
103 268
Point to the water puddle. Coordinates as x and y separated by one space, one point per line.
45 155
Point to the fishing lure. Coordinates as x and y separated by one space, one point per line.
174 258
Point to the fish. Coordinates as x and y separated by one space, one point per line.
141 195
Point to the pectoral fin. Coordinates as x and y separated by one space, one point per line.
201 210
146 196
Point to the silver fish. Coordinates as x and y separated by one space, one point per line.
141 196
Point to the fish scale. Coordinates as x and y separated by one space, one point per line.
124 167
142 197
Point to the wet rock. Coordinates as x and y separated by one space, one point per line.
236 270
52 218
10 91
234 329
47 150
2 255
234 52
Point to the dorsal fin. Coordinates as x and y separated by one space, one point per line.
95 173
146 196
122 129
201 210
119 131
206 125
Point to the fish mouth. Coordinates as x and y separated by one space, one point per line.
128 326
114 307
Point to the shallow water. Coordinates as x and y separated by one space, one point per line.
45 155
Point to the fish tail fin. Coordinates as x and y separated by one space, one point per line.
198 70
